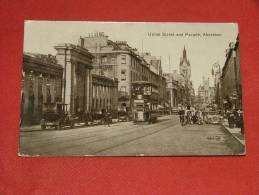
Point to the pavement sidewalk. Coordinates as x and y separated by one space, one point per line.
30 128
235 132
77 125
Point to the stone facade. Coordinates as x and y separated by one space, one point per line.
206 93
184 66
41 82
105 93
77 80
153 61
119 61
231 89
65 78
185 72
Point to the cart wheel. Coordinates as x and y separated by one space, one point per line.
43 127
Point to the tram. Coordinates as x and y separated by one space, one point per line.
145 102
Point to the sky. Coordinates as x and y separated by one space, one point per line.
202 51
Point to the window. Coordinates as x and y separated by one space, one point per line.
113 60
104 59
123 88
123 59
123 75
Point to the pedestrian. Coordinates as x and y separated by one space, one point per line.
231 120
107 118
181 113
188 115
241 121
193 115
199 116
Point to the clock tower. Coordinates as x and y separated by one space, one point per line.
185 67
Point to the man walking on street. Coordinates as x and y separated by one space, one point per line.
181 115
107 118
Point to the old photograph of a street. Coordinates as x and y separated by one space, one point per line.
131 89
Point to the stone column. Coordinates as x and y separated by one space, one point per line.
64 58
90 87
44 93
66 53
72 88
36 94
26 92
52 90
87 90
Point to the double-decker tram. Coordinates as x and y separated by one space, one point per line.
145 101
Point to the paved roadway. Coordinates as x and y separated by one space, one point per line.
166 137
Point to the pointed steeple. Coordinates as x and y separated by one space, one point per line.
184 53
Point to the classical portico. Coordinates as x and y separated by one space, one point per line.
41 82
77 81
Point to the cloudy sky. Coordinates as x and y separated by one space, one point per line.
202 51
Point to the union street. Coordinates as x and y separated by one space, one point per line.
166 137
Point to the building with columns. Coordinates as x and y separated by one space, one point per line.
104 93
175 87
117 60
77 80
41 82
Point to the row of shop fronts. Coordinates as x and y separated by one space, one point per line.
226 94
228 89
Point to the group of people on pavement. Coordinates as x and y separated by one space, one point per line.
235 118
190 115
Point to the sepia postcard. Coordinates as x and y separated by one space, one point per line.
131 89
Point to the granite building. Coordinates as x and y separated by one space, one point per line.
231 88
104 93
185 72
206 93
77 88
41 82
118 60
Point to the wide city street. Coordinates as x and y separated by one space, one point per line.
166 137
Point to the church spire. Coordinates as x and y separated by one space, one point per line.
184 53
